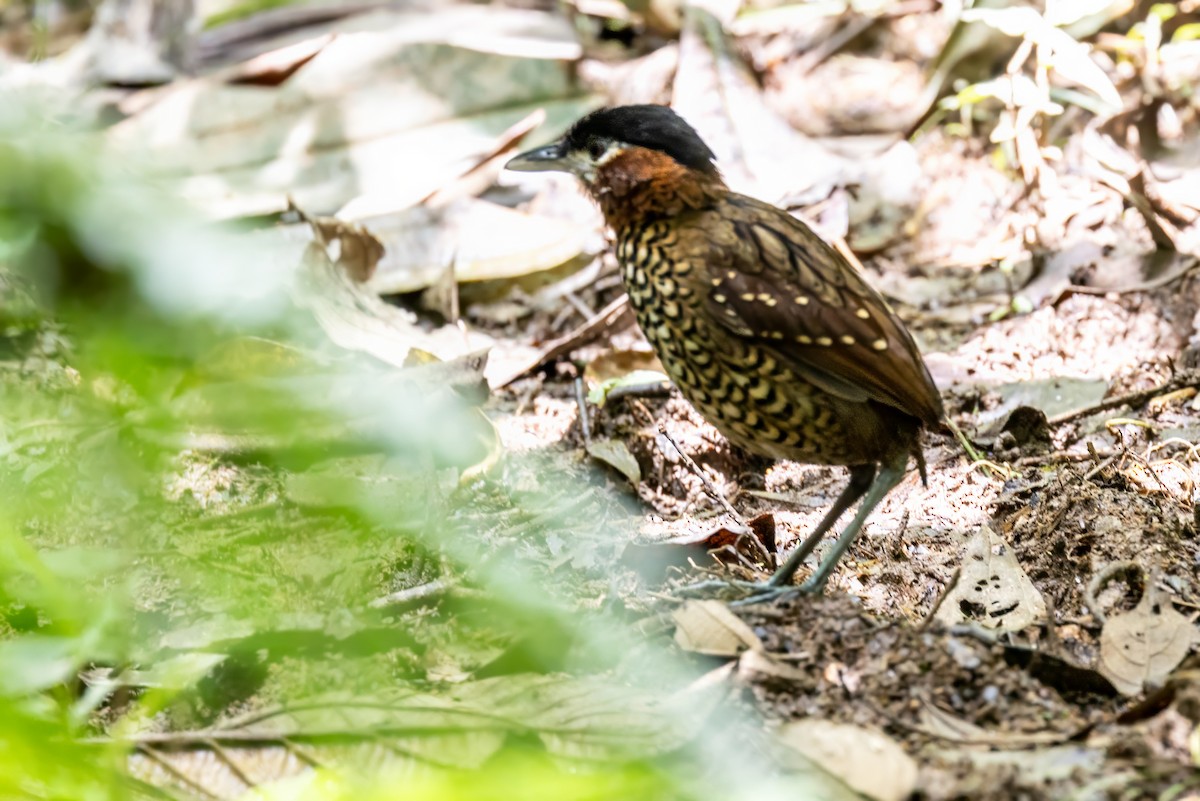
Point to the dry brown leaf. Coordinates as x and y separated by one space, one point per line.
614 364
993 590
351 247
681 543
275 67
866 760
1141 647
1171 477
708 627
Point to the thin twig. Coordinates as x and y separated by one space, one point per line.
708 485
1095 471
1053 644
612 317
581 401
421 592
1128 399
220 753
585 311
1064 457
829 47
950 585
165 764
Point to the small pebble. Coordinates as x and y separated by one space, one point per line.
963 654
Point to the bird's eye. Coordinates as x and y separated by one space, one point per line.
596 148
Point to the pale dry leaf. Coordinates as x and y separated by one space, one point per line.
1052 396
866 760
754 665
708 627
1036 766
944 725
1069 58
762 155
1140 648
759 153
993 591
397 105
1082 18
357 319
616 454
484 240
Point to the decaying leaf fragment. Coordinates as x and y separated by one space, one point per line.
993 590
1142 647
867 761
355 318
351 247
615 453
708 627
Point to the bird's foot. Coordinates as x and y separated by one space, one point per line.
752 592
766 592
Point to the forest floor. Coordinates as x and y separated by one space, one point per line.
1024 625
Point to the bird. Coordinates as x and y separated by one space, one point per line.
767 330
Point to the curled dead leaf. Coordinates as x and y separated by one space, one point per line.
1141 647
351 247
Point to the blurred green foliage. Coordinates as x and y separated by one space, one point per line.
203 497
241 10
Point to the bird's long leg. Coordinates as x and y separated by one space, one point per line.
861 477
888 477
891 474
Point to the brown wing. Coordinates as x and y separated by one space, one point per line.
780 283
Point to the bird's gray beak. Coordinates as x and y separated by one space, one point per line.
548 158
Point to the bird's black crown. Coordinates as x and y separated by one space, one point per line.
654 127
